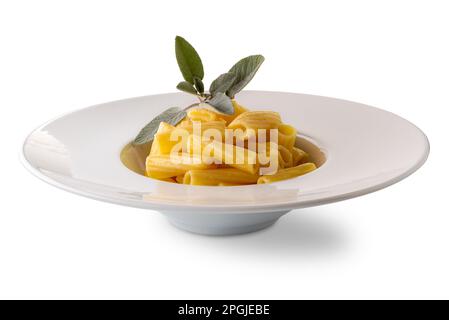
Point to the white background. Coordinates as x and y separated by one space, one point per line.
57 56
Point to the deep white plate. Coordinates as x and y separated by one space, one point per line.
366 149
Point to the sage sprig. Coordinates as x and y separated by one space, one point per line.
172 116
221 102
189 61
187 87
221 91
244 70
223 83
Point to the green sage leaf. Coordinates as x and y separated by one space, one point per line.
172 116
198 85
186 87
244 70
189 61
222 103
222 83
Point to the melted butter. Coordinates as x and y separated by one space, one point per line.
133 157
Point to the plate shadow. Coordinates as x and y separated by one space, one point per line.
299 233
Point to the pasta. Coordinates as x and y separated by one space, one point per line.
299 156
285 157
286 136
238 110
202 114
256 120
288 173
213 149
163 167
216 177
161 143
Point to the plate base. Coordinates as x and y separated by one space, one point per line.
222 224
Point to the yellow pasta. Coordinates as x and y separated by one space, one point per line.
238 110
286 136
288 173
285 157
184 123
217 125
163 166
160 143
214 149
216 177
202 114
167 136
256 120
299 156
229 154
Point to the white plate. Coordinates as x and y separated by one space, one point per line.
366 149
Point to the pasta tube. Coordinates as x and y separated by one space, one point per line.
238 110
175 139
286 136
215 149
160 143
216 124
234 156
163 166
184 123
285 157
299 156
288 173
256 120
202 114
216 177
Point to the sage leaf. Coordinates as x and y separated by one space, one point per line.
189 61
198 85
222 103
172 116
186 87
244 70
222 83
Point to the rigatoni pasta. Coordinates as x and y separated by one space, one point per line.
221 176
299 156
287 173
164 166
213 149
286 136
